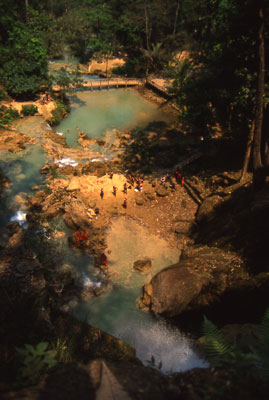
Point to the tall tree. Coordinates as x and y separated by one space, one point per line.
259 159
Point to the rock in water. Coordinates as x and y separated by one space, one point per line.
142 265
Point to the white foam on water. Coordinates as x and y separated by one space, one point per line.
169 348
88 282
65 161
19 217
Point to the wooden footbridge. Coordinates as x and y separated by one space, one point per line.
108 83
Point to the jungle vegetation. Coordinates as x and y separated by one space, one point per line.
222 80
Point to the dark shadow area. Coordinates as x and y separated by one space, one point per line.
240 223
156 147
68 381
193 193
76 100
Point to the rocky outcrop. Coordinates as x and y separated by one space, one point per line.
182 226
207 208
77 215
197 281
14 141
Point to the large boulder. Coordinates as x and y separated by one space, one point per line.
77 215
197 281
207 208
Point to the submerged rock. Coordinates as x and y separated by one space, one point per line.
142 265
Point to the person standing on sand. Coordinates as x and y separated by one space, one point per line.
125 203
177 175
115 190
125 188
104 260
182 181
111 174
102 193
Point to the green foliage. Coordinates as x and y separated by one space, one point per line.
35 361
134 66
47 189
64 349
54 172
7 115
23 63
2 95
215 345
221 353
30 109
59 113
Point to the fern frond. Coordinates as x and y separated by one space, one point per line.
216 347
264 332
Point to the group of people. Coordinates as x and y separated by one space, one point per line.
46 99
81 237
115 189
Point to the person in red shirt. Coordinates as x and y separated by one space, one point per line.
104 261
125 203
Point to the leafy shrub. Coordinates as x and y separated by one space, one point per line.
59 113
7 115
221 353
64 349
2 95
47 189
35 361
30 109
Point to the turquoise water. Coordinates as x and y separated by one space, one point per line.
23 170
116 311
96 113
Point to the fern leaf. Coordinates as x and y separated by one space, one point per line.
216 347
264 332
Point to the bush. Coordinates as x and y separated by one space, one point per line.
59 113
29 110
2 95
7 115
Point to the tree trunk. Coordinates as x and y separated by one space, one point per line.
176 17
258 173
248 151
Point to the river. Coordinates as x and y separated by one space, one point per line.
97 113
